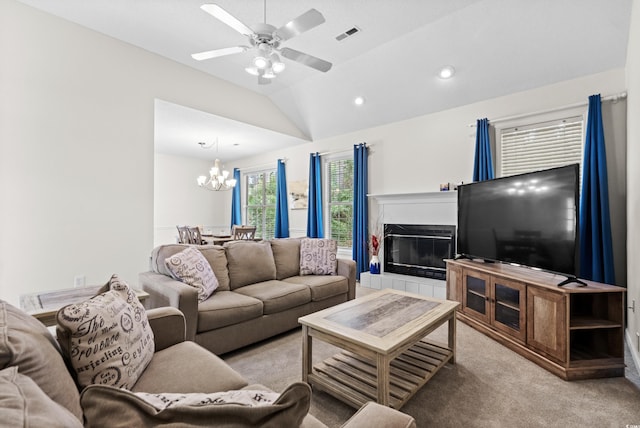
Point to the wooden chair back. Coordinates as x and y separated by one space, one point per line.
196 236
244 232
184 237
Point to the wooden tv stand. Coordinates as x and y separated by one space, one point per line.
575 332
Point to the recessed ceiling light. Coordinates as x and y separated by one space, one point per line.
358 101
447 72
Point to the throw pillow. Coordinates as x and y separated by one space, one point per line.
107 338
190 267
242 397
318 256
24 404
108 406
26 343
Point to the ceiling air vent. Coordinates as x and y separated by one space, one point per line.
351 32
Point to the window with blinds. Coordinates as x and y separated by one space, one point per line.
540 146
261 202
339 185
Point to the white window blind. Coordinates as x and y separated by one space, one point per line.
339 187
541 146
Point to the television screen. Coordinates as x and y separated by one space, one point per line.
528 219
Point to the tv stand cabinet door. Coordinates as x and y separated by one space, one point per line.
509 307
547 322
476 298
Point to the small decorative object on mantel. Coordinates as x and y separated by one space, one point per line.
374 264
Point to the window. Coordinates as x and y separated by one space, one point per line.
261 202
540 146
339 185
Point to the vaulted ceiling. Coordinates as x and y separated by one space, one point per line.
497 47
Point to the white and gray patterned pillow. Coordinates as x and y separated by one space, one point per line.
190 267
242 397
107 338
318 256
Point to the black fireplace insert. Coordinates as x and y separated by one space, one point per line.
418 250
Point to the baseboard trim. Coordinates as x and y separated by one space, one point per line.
635 356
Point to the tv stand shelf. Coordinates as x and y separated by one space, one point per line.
574 331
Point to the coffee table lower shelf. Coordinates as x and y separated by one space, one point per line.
353 378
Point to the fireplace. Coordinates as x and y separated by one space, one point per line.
418 250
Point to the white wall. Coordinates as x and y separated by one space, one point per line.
179 201
76 148
633 183
417 155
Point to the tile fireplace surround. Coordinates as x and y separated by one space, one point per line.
438 208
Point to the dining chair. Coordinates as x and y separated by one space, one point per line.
184 237
196 236
243 232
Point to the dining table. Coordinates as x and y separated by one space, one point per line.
217 239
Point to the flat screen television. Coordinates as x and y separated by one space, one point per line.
527 219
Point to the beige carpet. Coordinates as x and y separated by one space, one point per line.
489 386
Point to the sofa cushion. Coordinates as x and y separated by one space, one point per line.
27 344
249 262
277 296
226 308
214 254
190 266
217 258
105 406
322 286
107 338
318 256
24 404
187 367
286 254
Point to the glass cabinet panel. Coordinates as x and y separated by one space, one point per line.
476 294
507 305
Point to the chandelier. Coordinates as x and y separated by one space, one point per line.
218 178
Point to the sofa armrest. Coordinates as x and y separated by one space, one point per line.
168 326
347 268
376 415
166 291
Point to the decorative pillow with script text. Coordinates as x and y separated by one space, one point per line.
107 338
190 267
318 256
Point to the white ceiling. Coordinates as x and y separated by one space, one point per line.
497 47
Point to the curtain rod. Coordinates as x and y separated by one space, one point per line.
264 164
342 151
614 98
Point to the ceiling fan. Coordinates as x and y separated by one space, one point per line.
267 39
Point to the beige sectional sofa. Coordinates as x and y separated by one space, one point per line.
37 390
260 294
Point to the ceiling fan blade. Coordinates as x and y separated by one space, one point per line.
306 59
218 52
225 17
306 21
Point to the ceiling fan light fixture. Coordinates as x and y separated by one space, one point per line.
276 65
260 62
252 70
269 74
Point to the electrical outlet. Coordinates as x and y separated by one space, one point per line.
79 281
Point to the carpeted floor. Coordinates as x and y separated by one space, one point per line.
489 386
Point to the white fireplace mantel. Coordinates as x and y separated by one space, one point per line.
417 208
435 208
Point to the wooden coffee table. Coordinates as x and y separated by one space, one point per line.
45 305
386 356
